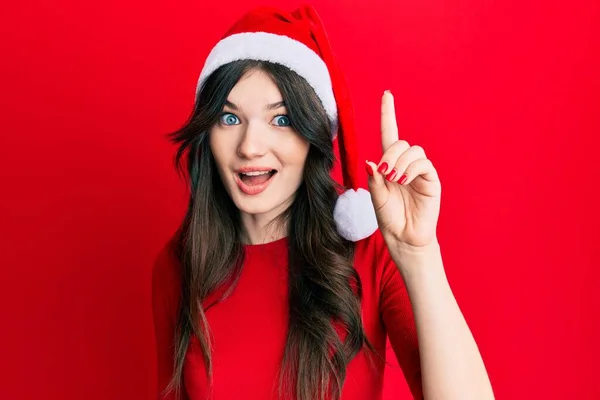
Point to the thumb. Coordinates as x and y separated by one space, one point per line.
377 187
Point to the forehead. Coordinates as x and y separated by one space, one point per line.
255 90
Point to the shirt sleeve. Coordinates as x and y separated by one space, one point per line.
396 313
165 306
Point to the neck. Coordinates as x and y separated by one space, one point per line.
259 230
265 227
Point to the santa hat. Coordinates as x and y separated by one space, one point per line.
298 41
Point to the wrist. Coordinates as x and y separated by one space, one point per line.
415 261
407 251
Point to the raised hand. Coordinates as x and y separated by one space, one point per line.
404 185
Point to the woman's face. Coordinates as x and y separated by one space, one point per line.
260 158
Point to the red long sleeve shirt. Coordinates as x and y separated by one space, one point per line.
249 327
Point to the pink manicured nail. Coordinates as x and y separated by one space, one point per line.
369 169
390 177
382 168
403 179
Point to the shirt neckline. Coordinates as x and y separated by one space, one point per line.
268 246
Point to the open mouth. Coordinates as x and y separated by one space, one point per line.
254 182
257 177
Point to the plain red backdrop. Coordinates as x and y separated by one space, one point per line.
503 95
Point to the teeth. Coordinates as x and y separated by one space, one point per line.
255 173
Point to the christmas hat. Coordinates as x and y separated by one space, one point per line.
298 41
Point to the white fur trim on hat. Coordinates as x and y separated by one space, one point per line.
354 215
278 49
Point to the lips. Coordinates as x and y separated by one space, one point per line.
253 181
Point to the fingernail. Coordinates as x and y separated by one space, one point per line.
369 168
388 91
403 179
390 177
382 168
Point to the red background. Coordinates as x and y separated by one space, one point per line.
503 95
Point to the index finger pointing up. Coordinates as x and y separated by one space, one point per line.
389 128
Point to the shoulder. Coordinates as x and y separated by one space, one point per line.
372 251
166 261
373 262
166 274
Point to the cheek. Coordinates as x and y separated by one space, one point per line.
297 151
219 149
302 155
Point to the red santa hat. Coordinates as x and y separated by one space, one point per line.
298 41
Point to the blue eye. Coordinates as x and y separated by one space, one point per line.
282 120
229 119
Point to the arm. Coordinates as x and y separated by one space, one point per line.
165 304
398 319
406 193
451 365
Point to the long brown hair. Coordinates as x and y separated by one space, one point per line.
324 288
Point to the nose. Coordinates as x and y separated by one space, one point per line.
252 143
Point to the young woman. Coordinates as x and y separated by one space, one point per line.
278 287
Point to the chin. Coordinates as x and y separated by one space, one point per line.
264 203
253 206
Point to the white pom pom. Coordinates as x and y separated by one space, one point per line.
354 215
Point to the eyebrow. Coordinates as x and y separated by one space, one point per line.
268 107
